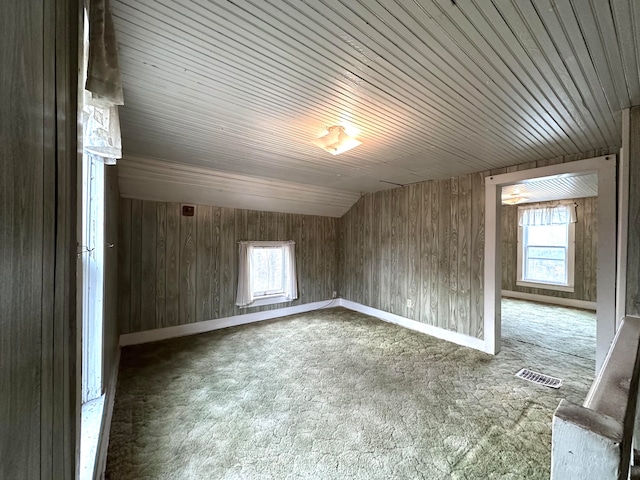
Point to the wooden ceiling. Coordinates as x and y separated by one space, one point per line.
436 88
562 187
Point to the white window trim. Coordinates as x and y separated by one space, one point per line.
571 261
290 293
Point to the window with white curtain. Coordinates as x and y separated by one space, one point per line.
266 273
546 247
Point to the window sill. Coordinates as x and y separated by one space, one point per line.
546 286
90 425
268 300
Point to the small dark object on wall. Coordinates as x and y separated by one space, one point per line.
188 210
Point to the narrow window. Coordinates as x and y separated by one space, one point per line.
266 273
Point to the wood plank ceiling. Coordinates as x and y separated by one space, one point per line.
555 188
436 88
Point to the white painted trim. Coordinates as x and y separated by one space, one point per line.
565 302
571 263
605 167
441 333
218 323
492 267
623 221
579 167
107 415
547 286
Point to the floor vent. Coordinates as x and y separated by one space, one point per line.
539 378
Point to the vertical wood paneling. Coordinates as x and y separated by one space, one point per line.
366 250
476 317
464 268
135 324
376 234
633 236
188 231
199 255
425 233
148 266
25 300
385 247
444 251
216 261
111 258
172 300
204 247
453 256
228 254
38 211
589 249
413 248
161 264
124 265
434 271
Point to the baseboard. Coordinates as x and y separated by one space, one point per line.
565 302
218 323
441 333
107 414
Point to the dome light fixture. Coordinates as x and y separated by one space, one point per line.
514 199
336 140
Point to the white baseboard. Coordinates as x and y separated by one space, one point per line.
565 302
107 414
441 333
218 323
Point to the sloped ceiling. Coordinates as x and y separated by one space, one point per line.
437 88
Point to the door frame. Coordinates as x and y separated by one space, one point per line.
605 167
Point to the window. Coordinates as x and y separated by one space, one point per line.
267 273
546 256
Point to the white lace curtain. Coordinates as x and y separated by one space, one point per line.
244 295
103 86
547 215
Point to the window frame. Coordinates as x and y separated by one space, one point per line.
272 293
570 260
289 268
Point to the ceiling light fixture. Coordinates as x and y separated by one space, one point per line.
336 140
514 199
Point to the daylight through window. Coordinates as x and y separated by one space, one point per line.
266 273
545 251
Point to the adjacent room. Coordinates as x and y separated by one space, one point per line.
549 264
324 239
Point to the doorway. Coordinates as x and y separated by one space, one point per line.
605 168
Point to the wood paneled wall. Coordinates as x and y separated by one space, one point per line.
633 252
424 242
586 263
176 269
37 238
111 326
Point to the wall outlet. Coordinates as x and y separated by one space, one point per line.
409 303
335 294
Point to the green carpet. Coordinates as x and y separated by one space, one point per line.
334 394
567 330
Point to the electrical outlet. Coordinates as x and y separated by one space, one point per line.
335 294
409 303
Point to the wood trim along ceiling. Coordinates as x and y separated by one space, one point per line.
437 88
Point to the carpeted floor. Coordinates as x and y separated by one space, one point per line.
566 330
334 394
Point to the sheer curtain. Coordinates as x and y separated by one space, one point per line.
103 86
547 215
244 296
